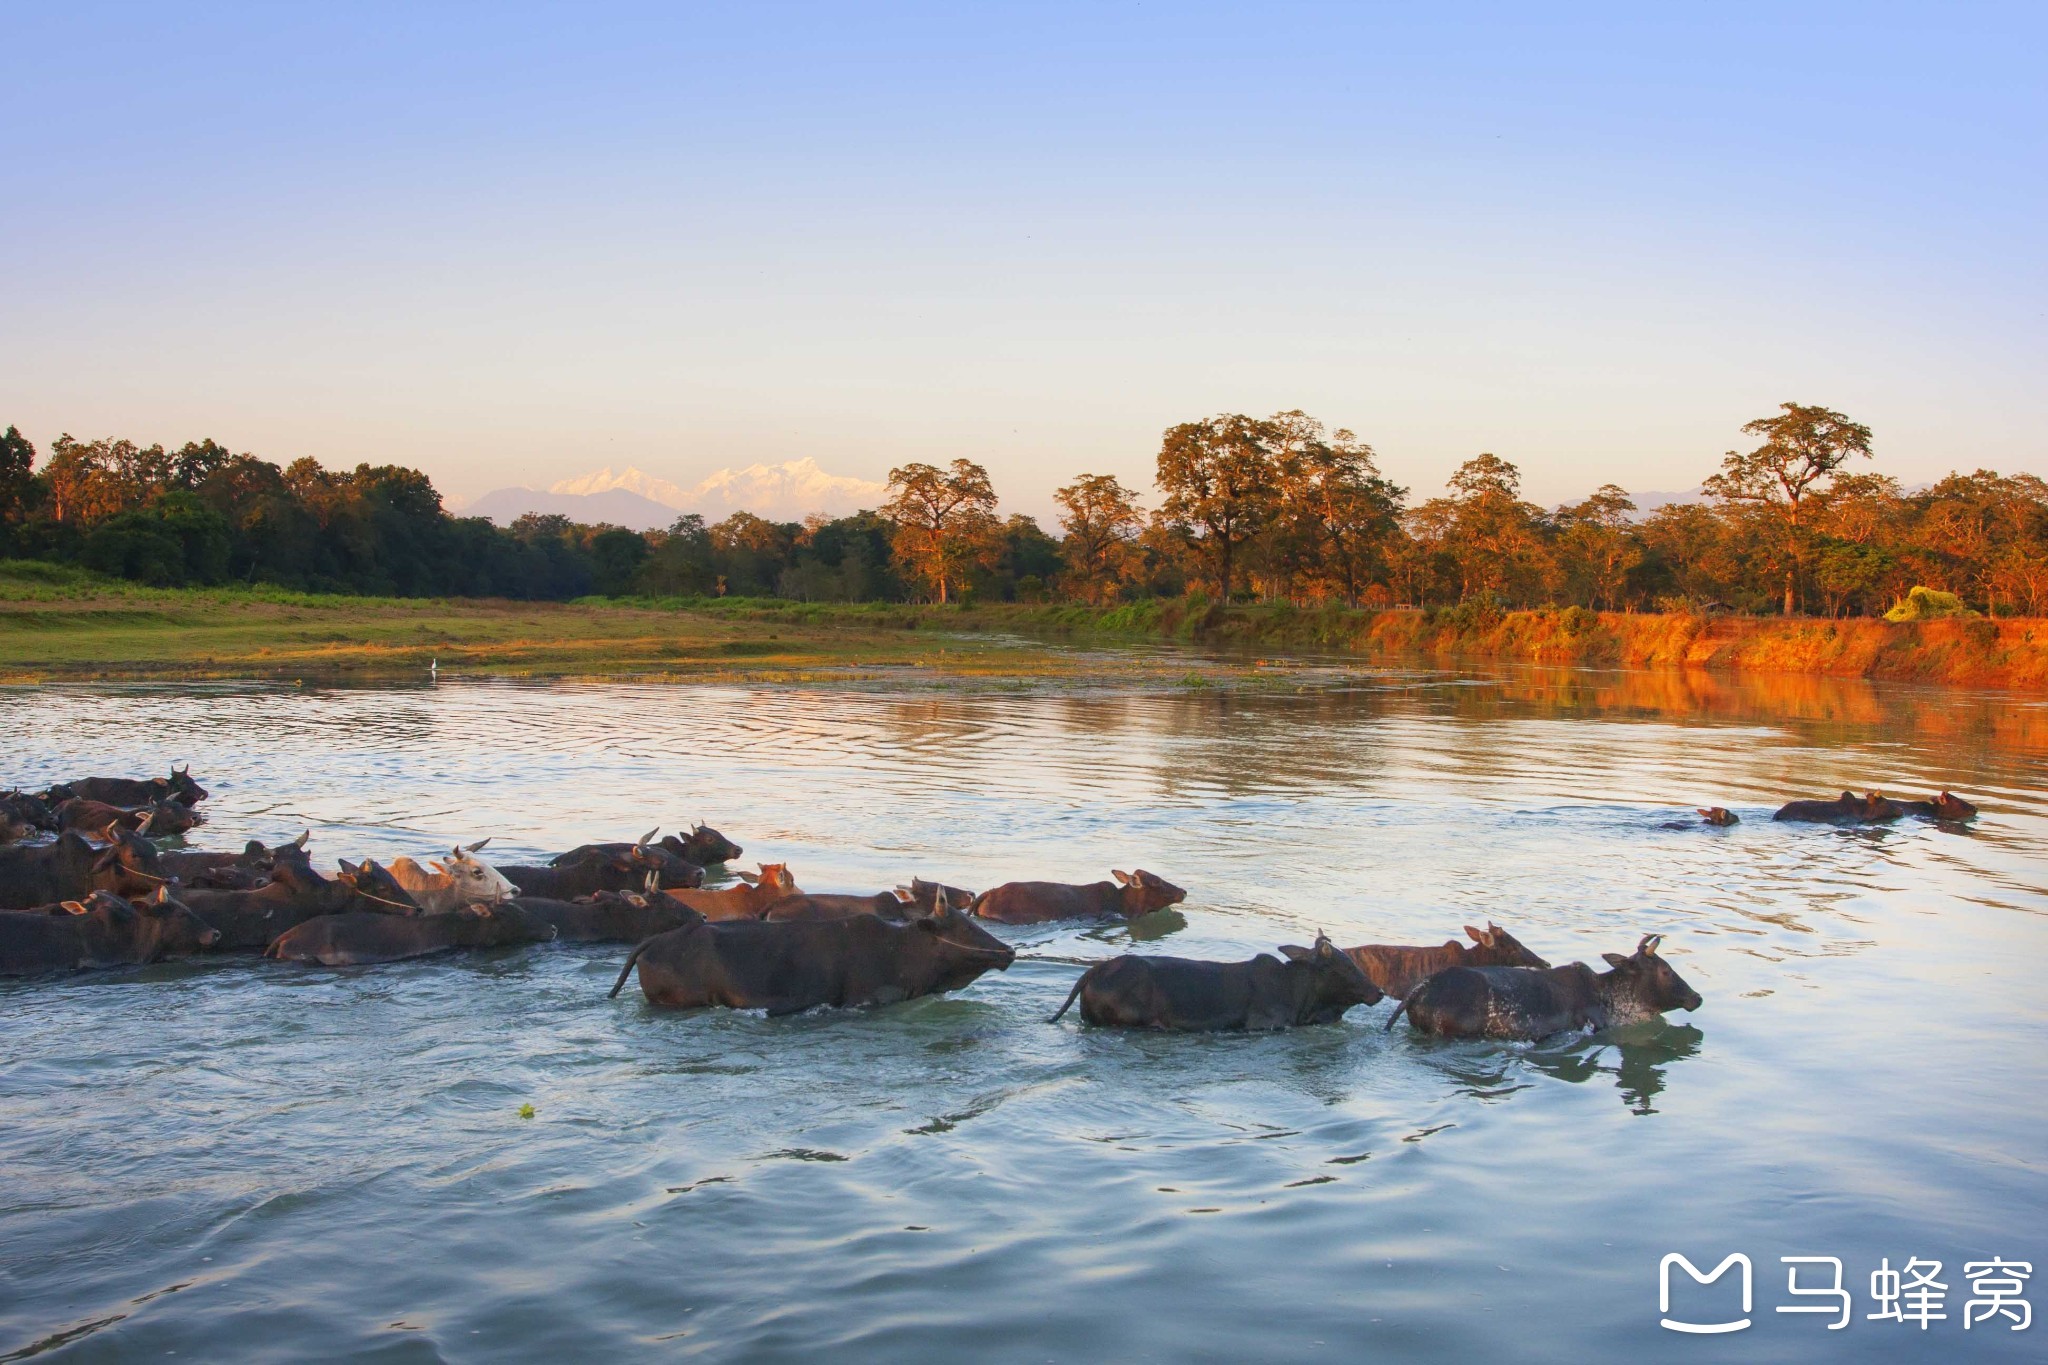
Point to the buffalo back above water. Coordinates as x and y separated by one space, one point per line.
784 967
610 916
100 930
1132 894
1312 986
1397 968
357 937
73 867
1529 1003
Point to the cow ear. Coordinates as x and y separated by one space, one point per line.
1123 878
348 869
76 907
437 865
749 878
1614 959
1477 936
1294 952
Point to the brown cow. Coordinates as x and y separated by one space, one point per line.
1396 969
102 930
740 902
1524 1003
1131 895
44 874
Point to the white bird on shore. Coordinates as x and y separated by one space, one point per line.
434 670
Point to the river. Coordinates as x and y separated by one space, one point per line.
231 1159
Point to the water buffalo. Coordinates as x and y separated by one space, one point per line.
249 920
244 871
610 916
1875 809
741 902
102 930
834 905
592 868
1313 986
705 847
450 883
354 938
133 791
1527 1003
787 967
1719 816
24 815
1396 969
1131 895
157 819
72 867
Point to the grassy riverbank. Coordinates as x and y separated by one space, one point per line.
60 623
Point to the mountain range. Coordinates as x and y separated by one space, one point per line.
640 501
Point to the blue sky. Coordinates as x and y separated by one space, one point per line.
511 243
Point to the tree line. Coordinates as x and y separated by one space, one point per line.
1270 509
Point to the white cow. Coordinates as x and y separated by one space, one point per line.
454 883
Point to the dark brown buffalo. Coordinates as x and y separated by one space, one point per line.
835 905
705 847
73 867
156 820
906 902
791 966
1313 986
610 916
593 868
1131 895
1395 969
355 938
1875 808
133 791
1522 1002
24 815
244 871
102 930
249 920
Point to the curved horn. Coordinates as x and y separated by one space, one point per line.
648 837
305 837
478 846
1648 947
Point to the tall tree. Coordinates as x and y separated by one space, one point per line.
1802 448
1598 545
945 520
17 465
1220 477
1494 537
1102 525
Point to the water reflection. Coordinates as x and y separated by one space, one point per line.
956 1173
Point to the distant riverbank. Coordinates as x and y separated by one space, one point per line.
60 623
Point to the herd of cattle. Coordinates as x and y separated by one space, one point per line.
83 885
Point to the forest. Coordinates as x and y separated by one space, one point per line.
1271 509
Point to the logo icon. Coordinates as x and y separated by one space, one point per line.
1702 1328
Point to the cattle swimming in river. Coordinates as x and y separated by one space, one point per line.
1875 808
1313 986
791 966
1132 894
1530 1003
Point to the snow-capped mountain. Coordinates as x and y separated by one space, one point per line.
780 492
634 498
629 479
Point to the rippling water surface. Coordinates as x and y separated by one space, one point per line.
232 1159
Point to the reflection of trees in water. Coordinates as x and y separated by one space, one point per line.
1635 1056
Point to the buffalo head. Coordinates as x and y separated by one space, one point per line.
1650 979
